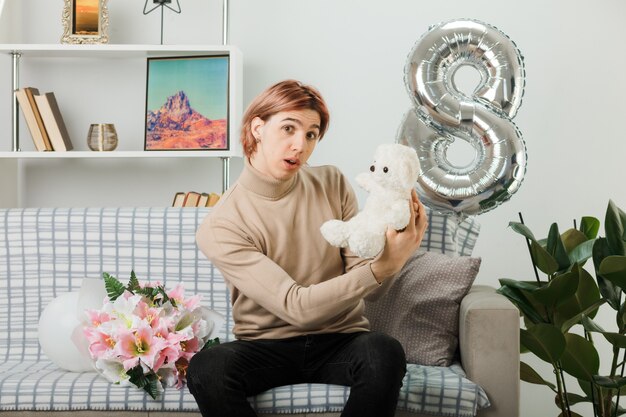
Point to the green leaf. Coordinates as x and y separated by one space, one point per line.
608 290
151 388
148 382
540 257
545 341
522 229
113 286
591 326
133 284
589 311
145 291
137 377
615 339
582 252
543 259
556 248
587 296
211 343
167 297
558 290
600 251
614 382
521 285
580 358
613 268
572 238
528 374
525 306
614 228
590 226
577 399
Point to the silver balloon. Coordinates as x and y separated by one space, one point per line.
443 114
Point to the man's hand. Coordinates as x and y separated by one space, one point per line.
400 245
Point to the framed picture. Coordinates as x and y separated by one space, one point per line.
187 103
85 21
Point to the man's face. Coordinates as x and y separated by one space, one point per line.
285 142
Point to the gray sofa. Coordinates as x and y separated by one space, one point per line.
47 252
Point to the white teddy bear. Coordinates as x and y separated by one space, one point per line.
389 182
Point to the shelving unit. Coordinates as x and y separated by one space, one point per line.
115 154
21 54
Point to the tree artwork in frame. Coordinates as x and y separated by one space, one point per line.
187 103
85 21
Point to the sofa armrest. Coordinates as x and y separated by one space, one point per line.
489 345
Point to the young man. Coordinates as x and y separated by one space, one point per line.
297 301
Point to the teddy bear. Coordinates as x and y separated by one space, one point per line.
389 183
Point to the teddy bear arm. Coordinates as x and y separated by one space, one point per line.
336 232
365 181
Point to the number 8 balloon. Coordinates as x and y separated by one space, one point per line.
443 114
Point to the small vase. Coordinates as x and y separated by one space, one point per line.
102 137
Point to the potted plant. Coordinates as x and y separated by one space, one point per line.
558 311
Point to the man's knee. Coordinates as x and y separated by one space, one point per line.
208 368
385 355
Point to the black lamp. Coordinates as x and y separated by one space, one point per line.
162 4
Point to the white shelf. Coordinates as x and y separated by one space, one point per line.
112 50
115 154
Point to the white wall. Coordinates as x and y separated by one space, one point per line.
354 52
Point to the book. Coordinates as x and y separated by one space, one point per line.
213 199
32 116
179 198
204 199
53 120
191 199
31 92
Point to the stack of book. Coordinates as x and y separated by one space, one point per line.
194 199
44 120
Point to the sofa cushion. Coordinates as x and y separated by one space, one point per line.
421 309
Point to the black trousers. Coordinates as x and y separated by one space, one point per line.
372 364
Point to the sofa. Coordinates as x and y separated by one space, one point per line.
46 252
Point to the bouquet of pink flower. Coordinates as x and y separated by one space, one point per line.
145 335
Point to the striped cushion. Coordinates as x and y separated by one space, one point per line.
47 252
449 234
